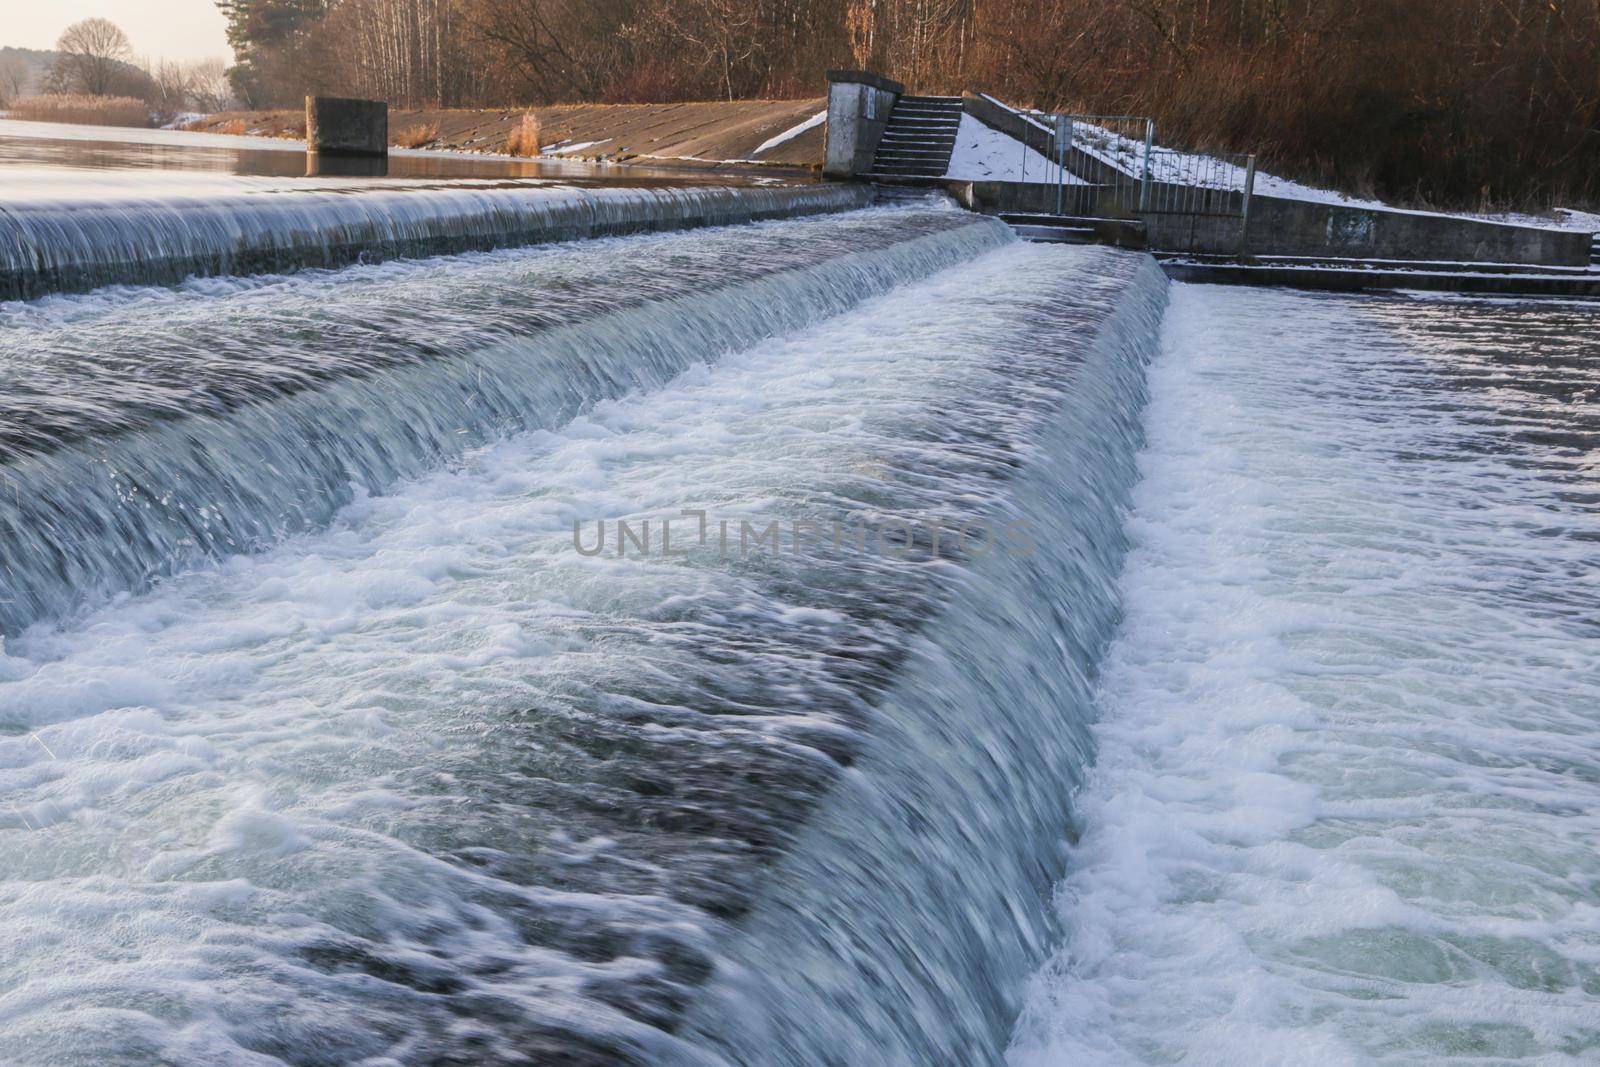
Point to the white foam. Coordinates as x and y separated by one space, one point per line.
1345 806
258 761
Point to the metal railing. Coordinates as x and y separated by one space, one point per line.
1118 154
1107 151
1190 183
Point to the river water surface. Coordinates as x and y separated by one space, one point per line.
1347 806
853 641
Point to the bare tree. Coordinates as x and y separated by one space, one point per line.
13 78
209 90
94 54
170 86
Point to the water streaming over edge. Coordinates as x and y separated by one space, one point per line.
69 245
429 786
148 434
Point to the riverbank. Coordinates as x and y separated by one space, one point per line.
783 133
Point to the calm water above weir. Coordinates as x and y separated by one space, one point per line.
38 159
342 721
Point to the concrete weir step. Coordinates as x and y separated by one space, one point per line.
1061 235
1507 279
1439 266
1053 229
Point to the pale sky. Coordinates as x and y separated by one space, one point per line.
161 29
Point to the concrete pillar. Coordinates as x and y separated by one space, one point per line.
859 103
337 126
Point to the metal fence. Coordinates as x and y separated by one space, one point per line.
1192 184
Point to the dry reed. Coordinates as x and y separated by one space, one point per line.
83 110
524 140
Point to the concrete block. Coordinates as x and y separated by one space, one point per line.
341 126
859 103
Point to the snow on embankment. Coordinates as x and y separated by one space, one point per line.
792 132
983 153
1191 168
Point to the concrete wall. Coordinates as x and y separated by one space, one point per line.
340 126
1294 228
859 103
1284 227
992 198
1278 226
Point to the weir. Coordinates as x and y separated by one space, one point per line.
926 864
70 246
593 834
691 650
121 470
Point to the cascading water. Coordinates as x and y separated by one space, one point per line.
143 435
69 245
690 649
435 781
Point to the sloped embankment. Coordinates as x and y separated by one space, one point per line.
699 133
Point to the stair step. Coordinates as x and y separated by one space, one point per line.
1078 235
1040 218
919 138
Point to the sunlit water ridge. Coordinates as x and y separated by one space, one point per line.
67 245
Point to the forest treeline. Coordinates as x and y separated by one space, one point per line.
1458 102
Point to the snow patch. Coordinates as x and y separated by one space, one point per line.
983 153
792 132
565 148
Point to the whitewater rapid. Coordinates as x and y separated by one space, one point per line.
1347 801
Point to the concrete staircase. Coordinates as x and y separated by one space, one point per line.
1051 229
1594 249
918 139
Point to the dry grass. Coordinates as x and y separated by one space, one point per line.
83 110
523 140
417 135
